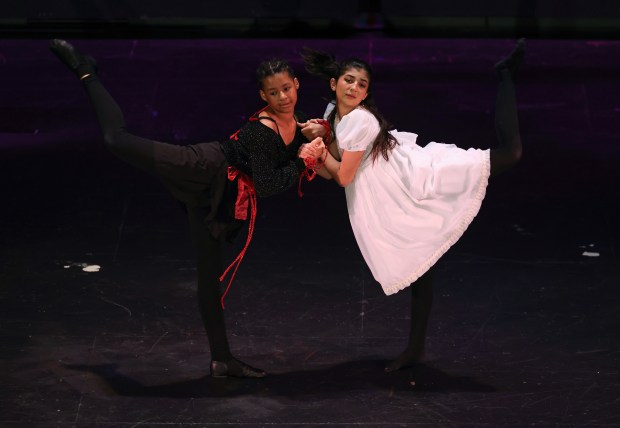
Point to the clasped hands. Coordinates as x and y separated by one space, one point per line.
314 132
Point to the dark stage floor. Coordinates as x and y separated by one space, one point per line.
524 331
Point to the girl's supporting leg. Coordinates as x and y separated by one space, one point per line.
209 261
208 253
421 303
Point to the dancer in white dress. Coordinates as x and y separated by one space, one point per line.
407 204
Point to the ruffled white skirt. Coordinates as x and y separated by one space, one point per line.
406 212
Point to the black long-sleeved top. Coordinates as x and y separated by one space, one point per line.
261 153
202 182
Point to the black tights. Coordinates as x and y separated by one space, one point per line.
421 304
508 150
144 154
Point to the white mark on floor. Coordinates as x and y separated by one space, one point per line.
590 254
84 266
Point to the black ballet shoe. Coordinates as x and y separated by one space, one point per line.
513 61
79 64
235 368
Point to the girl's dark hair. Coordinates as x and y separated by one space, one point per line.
325 65
273 66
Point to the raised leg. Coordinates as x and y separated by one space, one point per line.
83 66
509 150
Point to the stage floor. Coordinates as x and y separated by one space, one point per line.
525 325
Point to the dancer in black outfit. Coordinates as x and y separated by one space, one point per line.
211 179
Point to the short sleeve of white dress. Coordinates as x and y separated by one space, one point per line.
357 130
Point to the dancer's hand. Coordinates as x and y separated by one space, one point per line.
312 129
312 150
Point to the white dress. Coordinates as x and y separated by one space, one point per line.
406 212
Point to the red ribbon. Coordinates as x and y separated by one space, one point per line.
246 197
328 130
308 173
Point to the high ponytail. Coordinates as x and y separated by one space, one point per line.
320 64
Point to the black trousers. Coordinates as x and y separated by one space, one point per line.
196 175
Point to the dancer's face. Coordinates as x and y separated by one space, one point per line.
351 89
280 92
